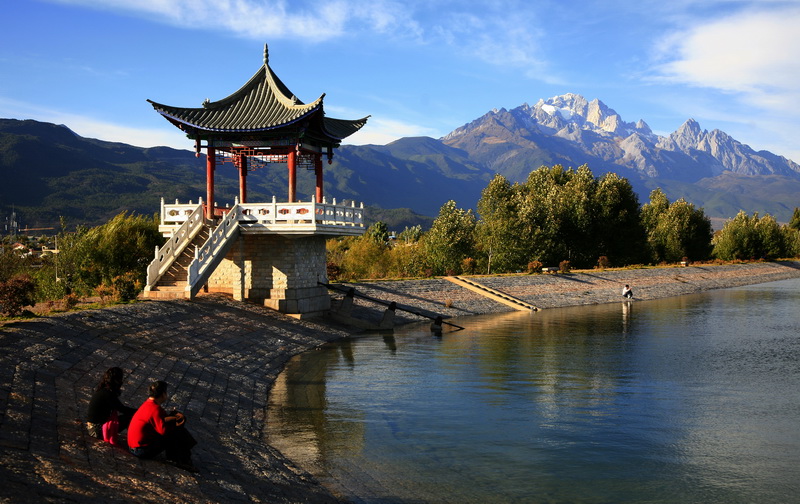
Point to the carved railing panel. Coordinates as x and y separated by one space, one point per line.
206 256
192 222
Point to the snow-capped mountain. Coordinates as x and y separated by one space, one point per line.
570 130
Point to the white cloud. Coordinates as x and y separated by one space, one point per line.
484 30
753 54
266 19
750 58
90 127
382 131
142 137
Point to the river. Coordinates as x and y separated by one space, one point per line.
693 399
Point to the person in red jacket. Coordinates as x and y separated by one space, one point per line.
152 431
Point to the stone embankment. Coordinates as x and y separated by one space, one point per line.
221 358
439 296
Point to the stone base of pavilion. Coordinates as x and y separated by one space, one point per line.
282 272
269 253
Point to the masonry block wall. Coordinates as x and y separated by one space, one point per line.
279 271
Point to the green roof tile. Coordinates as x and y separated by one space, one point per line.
264 106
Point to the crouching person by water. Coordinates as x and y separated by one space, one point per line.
152 431
107 416
627 292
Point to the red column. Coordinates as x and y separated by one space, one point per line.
210 165
318 173
292 163
242 165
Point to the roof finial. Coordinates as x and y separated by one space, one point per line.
266 54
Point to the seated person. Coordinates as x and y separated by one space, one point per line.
152 431
627 292
107 416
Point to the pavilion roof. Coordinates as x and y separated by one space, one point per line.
263 107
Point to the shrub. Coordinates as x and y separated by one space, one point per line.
603 262
469 265
534 267
105 292
333 271
16 293
564 266
127 286
70 301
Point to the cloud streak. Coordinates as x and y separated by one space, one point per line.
485 31
94 128
751 54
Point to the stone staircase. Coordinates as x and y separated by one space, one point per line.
495 295
172 284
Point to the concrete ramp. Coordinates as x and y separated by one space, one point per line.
495 295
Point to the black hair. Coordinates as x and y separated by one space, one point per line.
157 388
112 380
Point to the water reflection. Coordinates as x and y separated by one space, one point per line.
694 399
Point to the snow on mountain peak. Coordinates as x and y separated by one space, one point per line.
598 131
555 113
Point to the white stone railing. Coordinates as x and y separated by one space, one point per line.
192 222
300 214
307 216
175 214
211 252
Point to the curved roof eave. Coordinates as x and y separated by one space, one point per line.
163 110
342 128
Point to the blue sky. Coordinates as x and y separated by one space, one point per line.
417 67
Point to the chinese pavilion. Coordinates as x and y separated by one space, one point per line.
272 252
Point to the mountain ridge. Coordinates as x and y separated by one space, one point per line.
56 172
595 132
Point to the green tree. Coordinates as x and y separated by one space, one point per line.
795 222
406 259
12 262
450 239
364 258
498 231
91 257
122 245
745 237
680 231
618 231
541 214
379 233
410 234
791 239
770 237
571 215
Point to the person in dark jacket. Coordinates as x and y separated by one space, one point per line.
105 402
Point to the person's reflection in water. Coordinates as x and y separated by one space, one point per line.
346 349
627 308
391 344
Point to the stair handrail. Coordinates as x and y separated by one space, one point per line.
175 245
205 255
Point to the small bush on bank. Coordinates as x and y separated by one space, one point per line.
16 293
70 301
534 267
333 270
126 286
469 265
105 292
564 267
603 262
